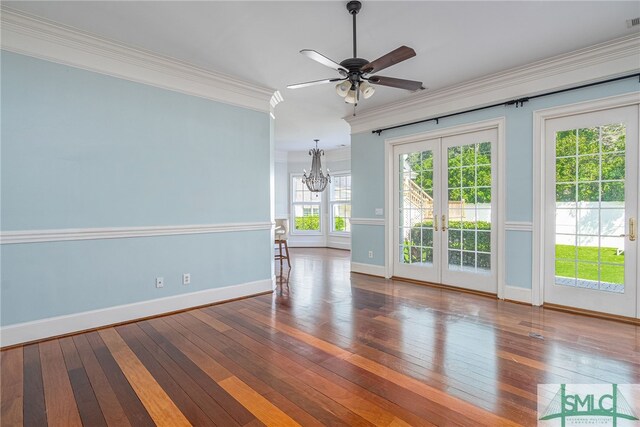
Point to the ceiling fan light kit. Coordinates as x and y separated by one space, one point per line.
356 73
343 88
367 90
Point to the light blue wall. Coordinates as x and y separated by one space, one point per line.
43 280
367 167
519 250
365 238
83 150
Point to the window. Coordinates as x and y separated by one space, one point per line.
306 207
340 203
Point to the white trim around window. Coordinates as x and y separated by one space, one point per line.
304 203
331 203
540 118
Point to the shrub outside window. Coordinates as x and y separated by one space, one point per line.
306 207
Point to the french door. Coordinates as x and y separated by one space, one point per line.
591 199
445 212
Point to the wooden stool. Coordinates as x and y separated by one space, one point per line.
280 256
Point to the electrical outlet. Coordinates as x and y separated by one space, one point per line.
370 254
186 278
159 282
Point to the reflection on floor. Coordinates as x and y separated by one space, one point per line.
328 347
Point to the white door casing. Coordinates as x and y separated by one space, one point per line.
436 140
595 215
546 122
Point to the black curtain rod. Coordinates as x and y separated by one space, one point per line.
517 102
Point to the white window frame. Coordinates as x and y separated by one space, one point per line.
540 118
331 203
319 203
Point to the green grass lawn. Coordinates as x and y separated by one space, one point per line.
565 266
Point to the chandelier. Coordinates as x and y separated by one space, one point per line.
316 181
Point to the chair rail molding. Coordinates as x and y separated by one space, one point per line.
65 234
367 221
40 38
518 226
605 60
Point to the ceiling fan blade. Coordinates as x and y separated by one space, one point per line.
318 57
395 56
397 83
313 83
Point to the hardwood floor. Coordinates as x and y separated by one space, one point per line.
327 348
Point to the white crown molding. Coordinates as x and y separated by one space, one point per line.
367 221
28 35
88 320
57 235
518 226
606 60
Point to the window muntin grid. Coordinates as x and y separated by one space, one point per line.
469 207
590 207
306 208
340 203
416 208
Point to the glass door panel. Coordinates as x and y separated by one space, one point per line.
415 201
592 197
470 213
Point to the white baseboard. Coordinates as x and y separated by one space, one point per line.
314 244
339 245
61 325
371 269
514 293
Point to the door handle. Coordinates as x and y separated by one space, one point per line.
435 223
632 230
444 222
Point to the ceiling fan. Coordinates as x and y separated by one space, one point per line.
356 73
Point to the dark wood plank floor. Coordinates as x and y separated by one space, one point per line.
327 348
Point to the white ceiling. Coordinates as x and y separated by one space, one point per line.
259 42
